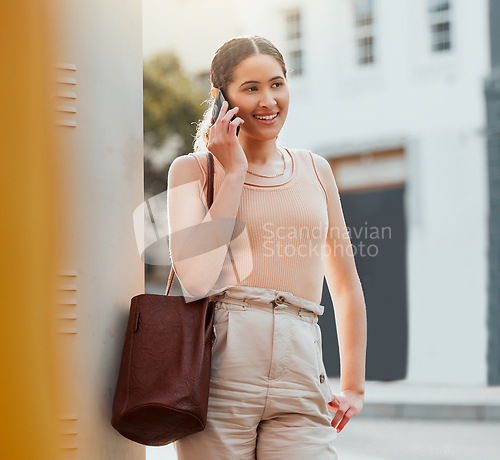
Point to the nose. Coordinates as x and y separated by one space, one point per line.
267 99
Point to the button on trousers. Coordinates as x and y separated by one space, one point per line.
268 388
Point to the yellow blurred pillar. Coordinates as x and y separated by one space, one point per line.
71 176
28 181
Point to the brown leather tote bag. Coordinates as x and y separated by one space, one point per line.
163 383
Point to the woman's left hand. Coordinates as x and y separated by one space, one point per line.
346 404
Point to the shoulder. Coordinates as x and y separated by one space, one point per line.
323 171
321 164
186 168
318 160
323 167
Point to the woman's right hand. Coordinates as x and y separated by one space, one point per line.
223 142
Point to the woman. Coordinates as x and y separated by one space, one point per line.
274 230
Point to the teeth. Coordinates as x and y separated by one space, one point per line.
270 117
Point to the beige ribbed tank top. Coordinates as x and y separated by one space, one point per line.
279 237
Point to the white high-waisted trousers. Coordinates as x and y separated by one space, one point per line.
268 388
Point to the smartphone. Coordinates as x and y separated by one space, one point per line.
219 100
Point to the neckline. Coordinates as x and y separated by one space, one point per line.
290 179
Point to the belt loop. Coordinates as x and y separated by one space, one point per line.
242 303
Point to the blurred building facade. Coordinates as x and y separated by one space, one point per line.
492 94
391 93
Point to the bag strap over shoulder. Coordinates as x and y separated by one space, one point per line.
210 200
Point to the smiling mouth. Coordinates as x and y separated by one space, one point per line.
267 117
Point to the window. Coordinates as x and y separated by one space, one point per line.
439 25
363 25
293 38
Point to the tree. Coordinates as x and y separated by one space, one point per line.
172 107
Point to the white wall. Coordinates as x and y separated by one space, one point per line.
447 255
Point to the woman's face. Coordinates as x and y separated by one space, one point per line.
259 89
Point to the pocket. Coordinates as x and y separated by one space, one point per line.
306 319
221 316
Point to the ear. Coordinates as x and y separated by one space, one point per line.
214 92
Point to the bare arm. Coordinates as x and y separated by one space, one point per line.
199 239
345 288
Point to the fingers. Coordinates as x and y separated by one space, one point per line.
347 416
334 403
346 405
344 411
233 125
224 123
223 131
226 119
222 114
223 110
340 409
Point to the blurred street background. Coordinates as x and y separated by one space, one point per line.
401 97
397 95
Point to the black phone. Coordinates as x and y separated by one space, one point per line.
219 100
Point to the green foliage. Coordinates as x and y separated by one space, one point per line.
172 107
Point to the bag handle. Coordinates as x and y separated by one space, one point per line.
210 199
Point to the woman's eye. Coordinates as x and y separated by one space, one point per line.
254 88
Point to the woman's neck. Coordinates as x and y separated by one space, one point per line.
260 153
